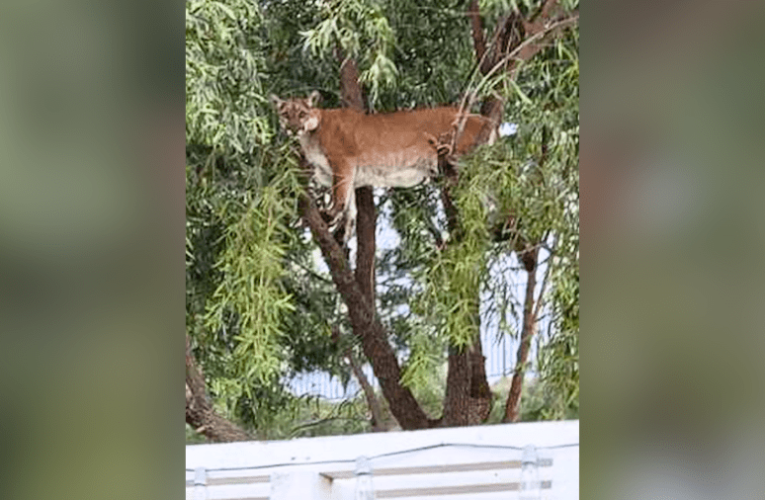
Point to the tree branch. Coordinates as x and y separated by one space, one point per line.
373 336
529 327
516 39
366 218
542 289
376 346
528 254
378 419
479 41
530 46
310 272
366 224
350 90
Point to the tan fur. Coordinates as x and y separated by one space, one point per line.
350 149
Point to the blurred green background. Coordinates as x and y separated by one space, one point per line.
672 232
91 250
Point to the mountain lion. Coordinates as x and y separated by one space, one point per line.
350 149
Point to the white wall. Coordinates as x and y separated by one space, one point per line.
476 463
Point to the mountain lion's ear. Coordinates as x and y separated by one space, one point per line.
275 100
314 98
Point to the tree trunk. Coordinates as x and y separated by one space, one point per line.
366 219
468 395
457 399
199 412
480 392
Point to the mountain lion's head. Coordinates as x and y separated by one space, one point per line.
298 116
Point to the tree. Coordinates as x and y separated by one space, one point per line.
258 308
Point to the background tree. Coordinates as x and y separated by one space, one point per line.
259 307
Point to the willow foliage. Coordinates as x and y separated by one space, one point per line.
241 203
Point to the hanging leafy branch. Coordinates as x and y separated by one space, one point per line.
224 94
360 29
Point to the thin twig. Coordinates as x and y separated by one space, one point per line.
311 272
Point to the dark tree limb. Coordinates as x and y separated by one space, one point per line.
350 90
373 336
457 399
366 219
515 39
468 395
528 254
199 412
366 224
450 179
476 25
480 392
